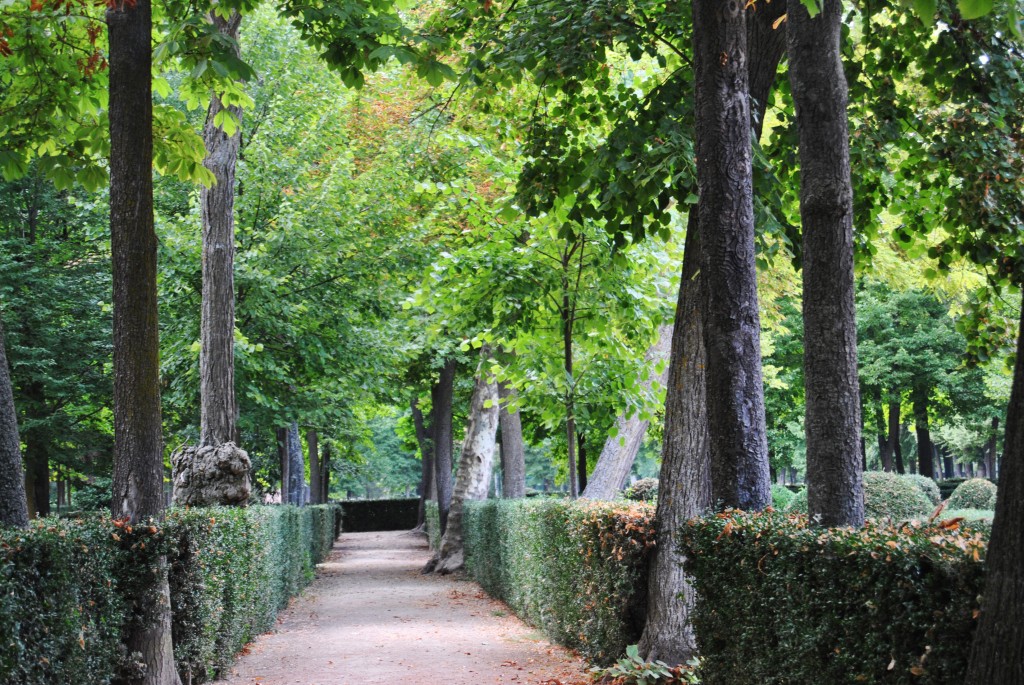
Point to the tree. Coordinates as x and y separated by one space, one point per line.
441 402
735 393
832 395
13 507
513 456
138 444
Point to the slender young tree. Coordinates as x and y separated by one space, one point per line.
513 456
13 506
138 492
832 386
732 327
997 654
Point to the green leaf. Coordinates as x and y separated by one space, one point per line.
972 9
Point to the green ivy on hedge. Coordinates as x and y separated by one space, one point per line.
67 583
575 570
781 602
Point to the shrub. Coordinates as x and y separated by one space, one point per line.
928 487
644 490
946 487
781 497
71 584
976 493
577 570
781 602
886 495
366 516
95 495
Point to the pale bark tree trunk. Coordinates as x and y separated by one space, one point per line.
315 496
441 396
513 456
138 492
619 451
832 410
476 464
427 489
296 467
13 505
217 470
732 327
925 457
684 487
997 654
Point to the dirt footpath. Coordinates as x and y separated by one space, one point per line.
370 617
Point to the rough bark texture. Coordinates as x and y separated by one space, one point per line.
894 435
832 409
684 488
138 450
441 397
925 454
997 655
13 505
513 456
476 463
732 328
296 468
427 489
619 452
210 475
315 497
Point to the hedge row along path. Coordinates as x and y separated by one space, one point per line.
371 617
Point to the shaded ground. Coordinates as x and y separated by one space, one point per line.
370 617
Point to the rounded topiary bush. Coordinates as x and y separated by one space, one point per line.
926 485
781 497
976 493
885 495
644 490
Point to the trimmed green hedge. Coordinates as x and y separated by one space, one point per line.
976 493
67 587
370 516
926 485
885 495
575 570
780 602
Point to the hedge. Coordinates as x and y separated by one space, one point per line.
575 570
68 587
976 493
369 516
885 495
781 602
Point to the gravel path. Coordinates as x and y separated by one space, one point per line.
370 617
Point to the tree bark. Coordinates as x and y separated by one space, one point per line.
315 497
619 451
895 425
427 489
832 408
925 457
513 456
884 447
990 453
476 463
732 327
283 459
13 504
296 467
441 400
997 653
138 492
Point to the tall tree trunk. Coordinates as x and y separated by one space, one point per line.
513 456
884 446
895 427
284 460
990 453
296 467
427 489
732 326
325 473
619 451
13 504
138 492
684 488
997 654
476 463
37 474
441 400
314 467
832 409
581 460
570 392
925 458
